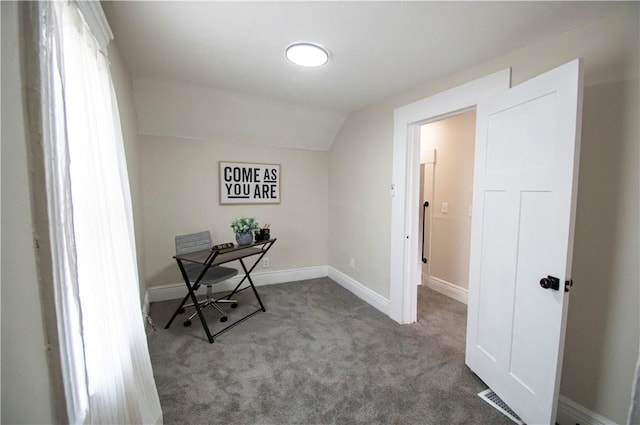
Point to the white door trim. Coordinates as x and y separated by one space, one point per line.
405 243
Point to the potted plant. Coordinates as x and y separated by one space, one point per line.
244 227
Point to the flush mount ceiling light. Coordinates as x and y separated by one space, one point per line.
307 54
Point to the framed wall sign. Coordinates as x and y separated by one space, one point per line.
248 183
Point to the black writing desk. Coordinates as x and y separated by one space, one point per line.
210 258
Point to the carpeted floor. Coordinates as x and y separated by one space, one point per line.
319 355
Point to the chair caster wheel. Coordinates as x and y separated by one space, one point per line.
187 323
181 311
223 319
234 305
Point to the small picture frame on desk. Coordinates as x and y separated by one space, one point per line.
243 183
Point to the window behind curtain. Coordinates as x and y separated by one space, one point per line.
106 367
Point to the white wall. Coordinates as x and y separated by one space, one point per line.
180 195
27 394
603 325
454 141
176 109
360 201
359 198
184 132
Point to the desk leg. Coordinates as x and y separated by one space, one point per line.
194 299
247 275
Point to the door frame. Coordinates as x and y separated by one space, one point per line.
405 270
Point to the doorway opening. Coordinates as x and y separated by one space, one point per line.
405 261
446 186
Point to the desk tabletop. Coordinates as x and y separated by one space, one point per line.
226 255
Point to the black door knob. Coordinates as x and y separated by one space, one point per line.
550 282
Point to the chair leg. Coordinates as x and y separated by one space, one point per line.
212 304
211 301
234 303
192 305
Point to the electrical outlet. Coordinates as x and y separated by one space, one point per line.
352 263
265 263
470 210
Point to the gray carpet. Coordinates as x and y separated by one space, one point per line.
319 355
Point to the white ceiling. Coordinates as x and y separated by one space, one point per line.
377 48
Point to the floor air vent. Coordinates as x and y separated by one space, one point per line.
492 398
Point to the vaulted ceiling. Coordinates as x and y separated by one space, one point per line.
376 48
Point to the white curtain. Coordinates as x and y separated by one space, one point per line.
634 408
106 367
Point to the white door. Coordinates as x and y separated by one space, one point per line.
525 184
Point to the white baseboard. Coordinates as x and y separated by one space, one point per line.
572 413
178 290
448 289
361 291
